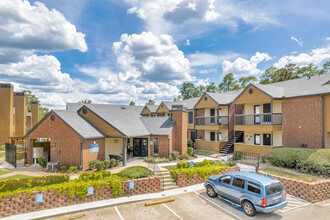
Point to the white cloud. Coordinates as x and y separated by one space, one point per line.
208 59
299 42
328 38
42 73
316 56
148 57
187 42
243 66
34 27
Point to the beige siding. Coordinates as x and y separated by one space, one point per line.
277 106
327 112
277 138
209 103
256 96
113 146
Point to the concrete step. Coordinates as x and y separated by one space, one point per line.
170 187
169 183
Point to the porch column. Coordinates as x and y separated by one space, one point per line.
124 151
271 139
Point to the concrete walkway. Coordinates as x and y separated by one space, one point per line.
47 213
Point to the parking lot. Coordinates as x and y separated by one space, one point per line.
197 205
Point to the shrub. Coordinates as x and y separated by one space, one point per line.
11 185
92 164
204 163
134 172
263 158
42 162
99 175
237 155
106 164
289 157
112 162
99 165
205 172
184 156
73 169
117 163
231 164
190 143
321 156
190 151
183 164
175 155
63 167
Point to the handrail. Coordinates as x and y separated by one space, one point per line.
227 137
259 119
155 169
212 120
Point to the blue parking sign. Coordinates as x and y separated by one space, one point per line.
191 163
90 190
39 198
131 185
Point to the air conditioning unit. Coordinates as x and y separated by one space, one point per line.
303 145
52 166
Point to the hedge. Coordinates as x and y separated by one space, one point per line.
205 171
74 187
12 185
99 175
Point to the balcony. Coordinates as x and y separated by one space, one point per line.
212 120
260 119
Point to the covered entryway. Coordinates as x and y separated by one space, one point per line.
140 147
41 148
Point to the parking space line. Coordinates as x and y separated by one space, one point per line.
218 206
121 217
172 211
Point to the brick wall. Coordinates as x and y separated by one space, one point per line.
302 122
183 180
88 155
231 117
65 143
327 140
200 112
21 203
162 146
179 141
312 192
200 134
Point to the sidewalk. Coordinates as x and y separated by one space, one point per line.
47 213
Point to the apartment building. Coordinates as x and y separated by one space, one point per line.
149 111
93 131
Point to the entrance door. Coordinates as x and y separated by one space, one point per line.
212 136
10 154
257 114
193 136
140 147
212 114
267 115
266 139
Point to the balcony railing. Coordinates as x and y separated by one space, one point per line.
212 120
259 119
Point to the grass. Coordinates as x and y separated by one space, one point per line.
204 153
2 154
283 173
17 176
2 172
134 172
2 147
170 168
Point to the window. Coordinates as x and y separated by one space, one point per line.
52 117
212 136
250 90
155 142
212 114
219 136
253 188
274 188
238 183
190 117
257 139
205 98
225 179
84 111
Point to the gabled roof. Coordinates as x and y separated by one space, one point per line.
187 103
73 106
158 125
224 98
84 129
152 108
124 118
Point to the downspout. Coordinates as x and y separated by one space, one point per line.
323 123
271 118
81 156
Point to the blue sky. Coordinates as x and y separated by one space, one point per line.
117 51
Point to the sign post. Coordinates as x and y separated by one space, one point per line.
191 163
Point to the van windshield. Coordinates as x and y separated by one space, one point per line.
274 188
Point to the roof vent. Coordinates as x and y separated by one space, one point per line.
123 107
309 77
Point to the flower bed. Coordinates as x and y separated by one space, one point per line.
192 176
313 192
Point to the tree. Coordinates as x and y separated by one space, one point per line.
150 102
244 81
31 97
132 103
272 74
309 70
187 90
86 101
228 83
326 67
211 87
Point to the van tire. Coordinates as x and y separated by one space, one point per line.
249 209
211 192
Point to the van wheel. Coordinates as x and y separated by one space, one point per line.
249 208
210 192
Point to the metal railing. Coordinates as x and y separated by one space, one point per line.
251 159
212 120
156 171
259 119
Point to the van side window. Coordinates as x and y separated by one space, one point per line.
253 188
225 179
238 183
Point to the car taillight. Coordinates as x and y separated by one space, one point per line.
285 195
264 203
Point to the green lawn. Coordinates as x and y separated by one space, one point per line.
283 173
170 168
2 172
134 172
2 147
17 176
204 153
2 154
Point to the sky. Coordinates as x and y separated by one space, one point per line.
112 51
